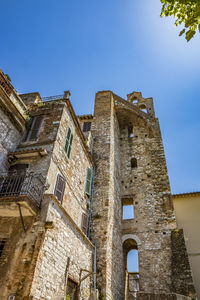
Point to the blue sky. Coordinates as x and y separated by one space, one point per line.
120 45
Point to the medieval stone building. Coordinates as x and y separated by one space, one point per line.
65 184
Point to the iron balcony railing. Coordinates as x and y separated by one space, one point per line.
50 98
22 184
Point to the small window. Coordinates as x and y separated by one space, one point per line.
2 245
84 223
133 163
35 129
88 183
60 187
143 108
130 131
68 143
128 212
86 126
134 100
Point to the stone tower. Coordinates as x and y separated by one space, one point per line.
62 229
131 170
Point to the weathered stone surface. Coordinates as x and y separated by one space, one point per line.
44 250
60 242
181 273
9 137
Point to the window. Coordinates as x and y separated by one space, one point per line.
132 261
88 182
128 209
68 143
133 163
59 188
84 223
130 131
35 129
86 126
2 245
143 108
128 212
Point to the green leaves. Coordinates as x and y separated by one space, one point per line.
185 12
182 32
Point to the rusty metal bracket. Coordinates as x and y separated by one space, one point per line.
86 276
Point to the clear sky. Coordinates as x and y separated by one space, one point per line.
120 45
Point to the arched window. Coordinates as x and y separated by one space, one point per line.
134 101
130 250
133 163
143 108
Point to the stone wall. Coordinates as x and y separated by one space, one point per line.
9 139
73 169
148 187
62 241
106 218
19 255
52 137
149 296
182 281
147 184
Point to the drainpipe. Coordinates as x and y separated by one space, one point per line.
91 204
95 276
89 226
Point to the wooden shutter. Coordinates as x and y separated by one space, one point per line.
84 225
35 128
68 143
60 187
86 126
88 182
2 245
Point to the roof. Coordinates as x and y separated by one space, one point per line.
195 194
85 117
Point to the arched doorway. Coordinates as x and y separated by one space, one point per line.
130 250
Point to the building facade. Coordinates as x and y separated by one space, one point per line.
187 208
65 183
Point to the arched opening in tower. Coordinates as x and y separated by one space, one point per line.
130 250
143 108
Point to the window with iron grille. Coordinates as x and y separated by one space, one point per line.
68 143
33 133
60 187
86 126
84 223
88 183
2 245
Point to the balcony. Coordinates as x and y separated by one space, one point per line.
22 190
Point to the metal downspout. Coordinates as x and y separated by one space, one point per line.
89 226
95 276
